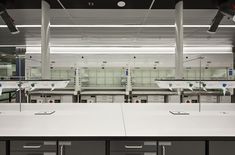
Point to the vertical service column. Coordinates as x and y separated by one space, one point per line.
179 39
45 40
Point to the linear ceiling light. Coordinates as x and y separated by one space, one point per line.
118 45
131 50
118 26
105 50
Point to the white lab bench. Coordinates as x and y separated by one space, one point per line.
117 129
117 120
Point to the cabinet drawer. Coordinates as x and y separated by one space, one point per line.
33 153
221 147
33 145
81 148
182 148
133 153
2 148
133 146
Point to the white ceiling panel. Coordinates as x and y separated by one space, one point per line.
117 36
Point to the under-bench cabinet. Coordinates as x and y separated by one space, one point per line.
2 148
81 148
222 148
115 147
33 148
157 148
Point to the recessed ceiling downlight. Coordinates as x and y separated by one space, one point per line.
121 4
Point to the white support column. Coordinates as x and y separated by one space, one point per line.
179 70
45 40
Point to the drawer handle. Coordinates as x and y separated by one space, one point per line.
133 146
32 146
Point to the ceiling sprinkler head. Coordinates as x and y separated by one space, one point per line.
121 4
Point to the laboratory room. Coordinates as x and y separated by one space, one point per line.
117 77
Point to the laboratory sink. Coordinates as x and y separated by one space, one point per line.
44 113
179 113
202 113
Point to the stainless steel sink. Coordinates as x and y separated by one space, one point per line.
179 113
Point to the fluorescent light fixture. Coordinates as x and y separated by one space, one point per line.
219 52
118 26
117 45
114 26
105 50
22 26
208 50
131 50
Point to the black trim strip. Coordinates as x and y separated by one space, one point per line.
207 152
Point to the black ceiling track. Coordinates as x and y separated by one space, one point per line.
109 4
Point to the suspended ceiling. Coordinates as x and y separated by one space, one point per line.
195 36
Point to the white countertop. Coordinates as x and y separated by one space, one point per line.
147 120
117 120
80 120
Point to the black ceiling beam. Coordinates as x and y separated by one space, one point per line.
110 4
